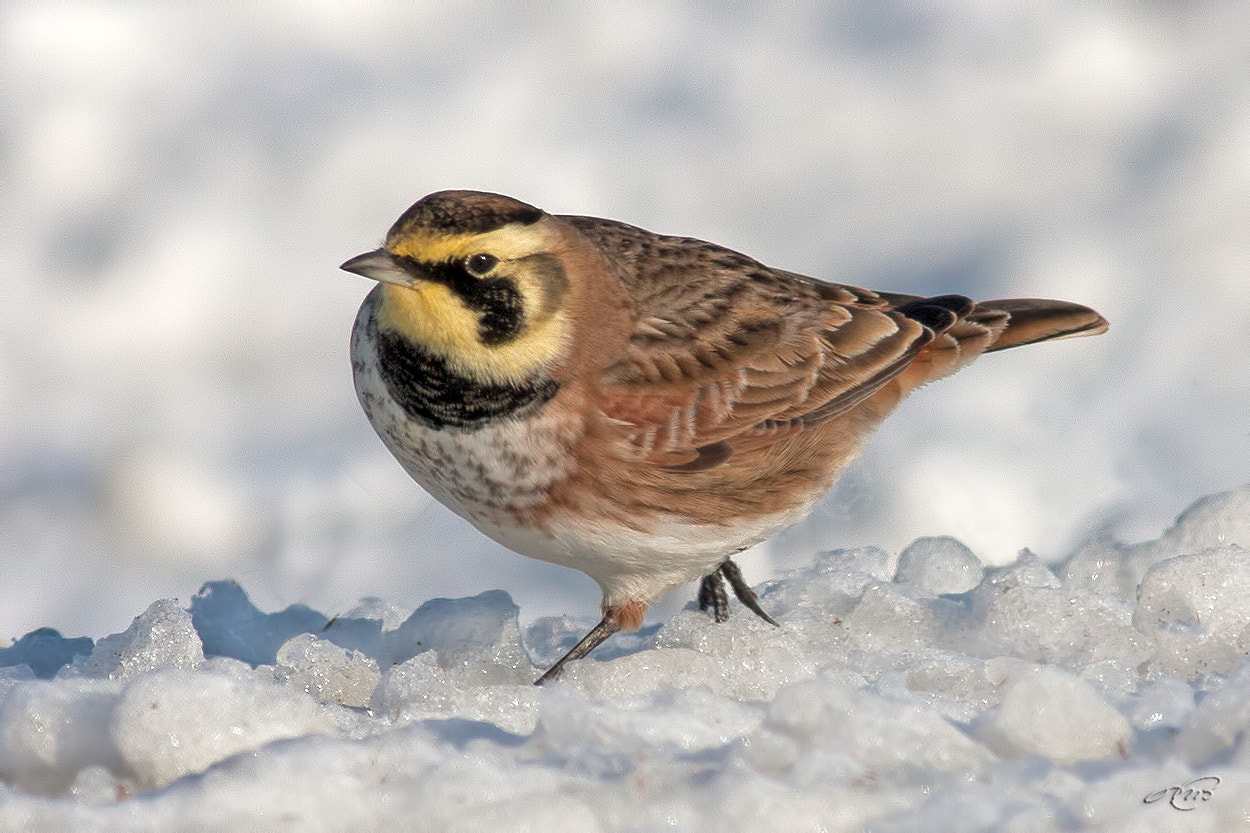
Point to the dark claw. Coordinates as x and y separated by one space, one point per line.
712 596
712 593
744 593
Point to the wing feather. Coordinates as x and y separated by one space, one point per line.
728 353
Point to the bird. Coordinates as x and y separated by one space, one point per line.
638 406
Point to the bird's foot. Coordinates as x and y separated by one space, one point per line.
712 593
712 596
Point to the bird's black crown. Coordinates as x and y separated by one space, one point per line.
463 212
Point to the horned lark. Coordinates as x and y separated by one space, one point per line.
638 406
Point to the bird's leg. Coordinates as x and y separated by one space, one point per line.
600 632
627 617
744 593
712 596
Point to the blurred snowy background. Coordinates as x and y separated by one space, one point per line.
180 183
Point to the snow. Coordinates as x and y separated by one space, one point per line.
176 409
1026 702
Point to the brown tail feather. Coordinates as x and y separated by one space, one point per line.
989 326
1034 319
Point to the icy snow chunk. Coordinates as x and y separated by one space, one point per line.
545 813
1028 571
355 634
957 686
170 723
1163 703
1197 610
1114 680
858 564
1024 611
939 565
1049 712
231 626
441 776
365 627
1220 725
1105 567
745 658
1220 722
482 633
636 675
611 737
13 675
50 729
888 618
829 588
390 616
419 689
417 684
98 785
1211 522
831 714
45 651
327 672
160 637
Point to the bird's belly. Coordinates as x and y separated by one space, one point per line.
639 564
500 476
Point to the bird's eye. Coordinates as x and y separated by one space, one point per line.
479 264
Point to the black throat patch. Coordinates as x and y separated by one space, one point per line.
432 393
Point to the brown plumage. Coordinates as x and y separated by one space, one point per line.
635 405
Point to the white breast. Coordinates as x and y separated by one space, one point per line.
489 474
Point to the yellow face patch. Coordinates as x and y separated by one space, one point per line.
435 317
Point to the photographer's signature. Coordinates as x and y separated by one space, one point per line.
1186 796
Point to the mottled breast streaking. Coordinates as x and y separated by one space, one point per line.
450 434
635 405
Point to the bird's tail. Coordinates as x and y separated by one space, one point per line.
1032 320
966 330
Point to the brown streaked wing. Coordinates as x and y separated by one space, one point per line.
726 348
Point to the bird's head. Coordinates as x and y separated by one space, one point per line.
477 279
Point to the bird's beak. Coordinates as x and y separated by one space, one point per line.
379 265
